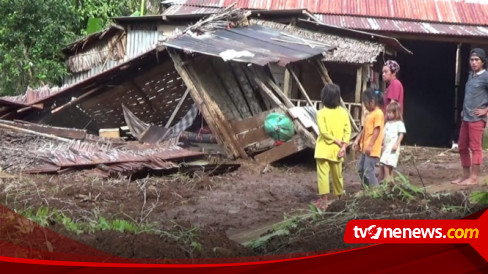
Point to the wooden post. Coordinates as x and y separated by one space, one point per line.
246 87
324 71
215 119
75 101
357 94
269 93
175 111
326 79
300 87
365 76
287 84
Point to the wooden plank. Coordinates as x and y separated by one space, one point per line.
251 76
252 122
177 108
357 93
300 86
204 71
259 147
280 93
224 74
364 77
280 152
76 100
252 136
324 71
3 124
71 133
246 88
287 84
211 112
269 93
328 80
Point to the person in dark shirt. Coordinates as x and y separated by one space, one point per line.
475 109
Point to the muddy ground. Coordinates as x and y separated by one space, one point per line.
253 211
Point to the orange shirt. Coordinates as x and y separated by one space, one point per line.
374 119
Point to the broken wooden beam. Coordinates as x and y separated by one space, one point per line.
300 86
20 129
177 108
217 122
279 152
329 81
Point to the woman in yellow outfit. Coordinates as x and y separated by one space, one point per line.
334 134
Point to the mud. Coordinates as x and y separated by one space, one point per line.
217 214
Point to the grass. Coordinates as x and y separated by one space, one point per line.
45 216
399 188
316 223
479 197
187 236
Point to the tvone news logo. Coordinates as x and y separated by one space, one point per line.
374 232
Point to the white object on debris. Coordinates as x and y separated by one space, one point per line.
454 145
232 54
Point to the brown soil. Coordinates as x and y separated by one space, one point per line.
224 211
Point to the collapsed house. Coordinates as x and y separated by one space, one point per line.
154 80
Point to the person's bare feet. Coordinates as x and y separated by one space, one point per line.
321 203
469 181
459 180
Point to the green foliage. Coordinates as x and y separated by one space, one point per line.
103 10
479 197
94 25
45 216
399 188
34 32
188 236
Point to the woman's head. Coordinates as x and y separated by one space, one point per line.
331 95
390 70
372 99
394 111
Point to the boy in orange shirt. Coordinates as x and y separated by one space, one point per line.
370 138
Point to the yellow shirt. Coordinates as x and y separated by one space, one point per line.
333 125
374 119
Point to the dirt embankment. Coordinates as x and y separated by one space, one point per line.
268 208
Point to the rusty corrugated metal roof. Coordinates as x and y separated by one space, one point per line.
254 44
447 11
181 9
381 24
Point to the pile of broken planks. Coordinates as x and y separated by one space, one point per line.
65 150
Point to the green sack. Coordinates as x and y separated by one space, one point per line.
279 127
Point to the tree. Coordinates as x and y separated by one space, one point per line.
33 33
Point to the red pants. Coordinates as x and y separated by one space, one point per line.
470 138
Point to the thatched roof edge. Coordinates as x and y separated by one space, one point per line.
348 50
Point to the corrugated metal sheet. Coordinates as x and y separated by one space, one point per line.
140 41
33 96
180 9
447 11
264 44
80 76
368 23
